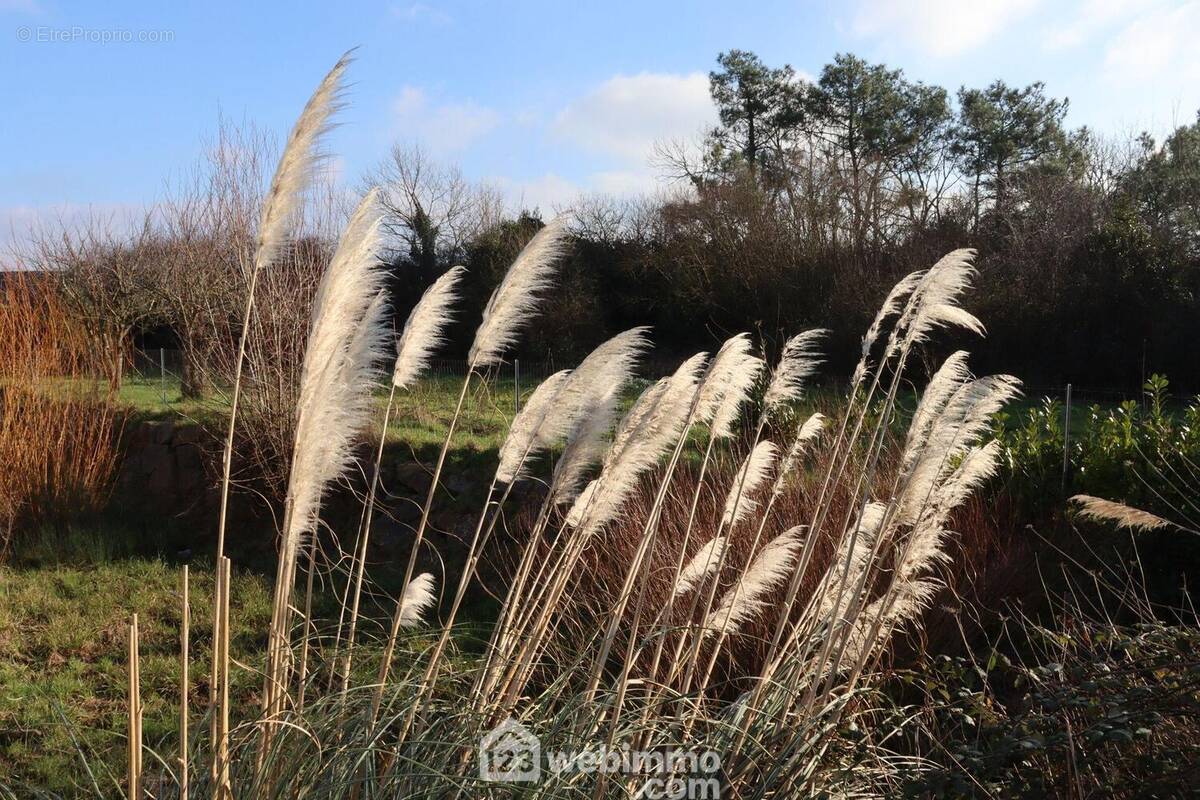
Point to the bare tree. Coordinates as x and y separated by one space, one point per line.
436 211
107 279
209 221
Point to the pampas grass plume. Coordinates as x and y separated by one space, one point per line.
298 164
423 332
515 300
418 596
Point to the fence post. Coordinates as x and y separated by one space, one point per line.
1066 437
516 386
162 373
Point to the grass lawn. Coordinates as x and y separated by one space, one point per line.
420 416
65 610
63 639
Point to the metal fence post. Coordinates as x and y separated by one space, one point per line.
162 373
516 385
1066 438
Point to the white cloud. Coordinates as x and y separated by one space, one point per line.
443 129
941 28
1088 19
421 12
1158 49
626 115
624 182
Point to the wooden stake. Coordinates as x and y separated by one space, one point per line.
135 715
214 697
222 789
184 631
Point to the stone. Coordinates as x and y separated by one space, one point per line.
164 431
414 477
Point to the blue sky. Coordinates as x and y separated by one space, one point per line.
545 99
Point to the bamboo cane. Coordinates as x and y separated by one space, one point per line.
221 788
184 632
135 714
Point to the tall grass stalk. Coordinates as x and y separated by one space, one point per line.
423 333
221 781
539 608
591 404
344 345
297 165
510 307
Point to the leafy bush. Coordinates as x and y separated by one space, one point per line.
1140 453
1089 708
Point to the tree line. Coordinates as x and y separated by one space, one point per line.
809 199
799 209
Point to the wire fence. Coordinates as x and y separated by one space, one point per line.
163 368
158 372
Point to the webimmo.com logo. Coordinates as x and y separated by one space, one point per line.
511 753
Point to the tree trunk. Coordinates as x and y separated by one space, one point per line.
192 379
115 354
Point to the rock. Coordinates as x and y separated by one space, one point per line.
164 431
188 435
414 477
456 484
161 481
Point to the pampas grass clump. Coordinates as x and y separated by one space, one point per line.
638 574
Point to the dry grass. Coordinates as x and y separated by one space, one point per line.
59 449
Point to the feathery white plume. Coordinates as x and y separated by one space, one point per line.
734 372
345 344
609 367
526 436
799 362
423 331
584 448
582 504
1101 510
976 466
712 387
934 303
605 371
637 417
740 504
556 411
418 596
726 372
891 306
515 300
700 566
808 433
577 405
745 598
297 165
892 610
966 415
946 381
654 423
852 559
